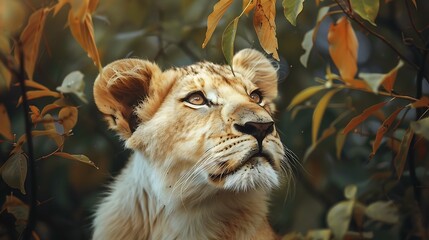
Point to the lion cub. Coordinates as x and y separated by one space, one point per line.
206 151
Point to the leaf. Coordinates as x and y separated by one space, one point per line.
80 158
34 114
49 108
421 127
83 32
304 95
386 80
343 46
19 210
5 127
292 8
38 94
49 125
307 45
73 83
265 26
213 19
14 171
34 84
79 8
383 211
68 118
339 142
422 102
350 192
382 130
362 117
228 39
322 234
401 156
319 111
12 17
5 75
339 217
367 9
30 39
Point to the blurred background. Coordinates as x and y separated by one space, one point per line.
170 33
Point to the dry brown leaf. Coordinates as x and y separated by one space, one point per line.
383 130
343 46
79 8
5 127
213 19
249 8
265 26
83 32
30 39
14 171
68 118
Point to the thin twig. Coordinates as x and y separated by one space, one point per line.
382 93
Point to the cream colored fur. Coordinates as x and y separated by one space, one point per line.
198 171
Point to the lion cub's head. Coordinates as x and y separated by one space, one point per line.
201 126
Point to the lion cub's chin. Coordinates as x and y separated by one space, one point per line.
255 174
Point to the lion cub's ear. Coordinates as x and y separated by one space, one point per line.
255 66
120 87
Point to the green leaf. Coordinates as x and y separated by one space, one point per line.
319 111
292 8
228 39
367 9
14 171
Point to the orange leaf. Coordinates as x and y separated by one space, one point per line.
401 156
83 32
33 84
383 130
265 26
30 39
319 112
219 10
68 118
5 127
38 94
34 114
339 143
343 46
422 102
389 78
361 117
48 108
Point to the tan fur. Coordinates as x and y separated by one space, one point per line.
195 173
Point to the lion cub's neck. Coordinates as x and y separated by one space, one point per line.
141 207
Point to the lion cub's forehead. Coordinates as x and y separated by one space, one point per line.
212 79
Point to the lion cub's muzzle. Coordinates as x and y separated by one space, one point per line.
258 130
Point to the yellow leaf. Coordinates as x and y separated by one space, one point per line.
339 217
265 26
14 171
361 117
343 46
38 94
383 130
83 32
213 19
5 127
383 211
30 39
80 158
304 95
68 118
319 111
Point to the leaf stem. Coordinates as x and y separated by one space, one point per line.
382 93
32 191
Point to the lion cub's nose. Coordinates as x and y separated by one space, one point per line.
259 130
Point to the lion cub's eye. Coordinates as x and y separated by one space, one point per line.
196 98
256 96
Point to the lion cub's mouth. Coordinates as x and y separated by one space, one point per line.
251 162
